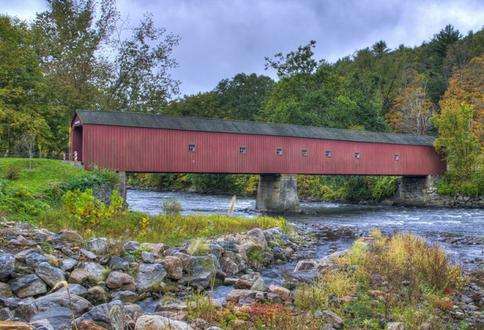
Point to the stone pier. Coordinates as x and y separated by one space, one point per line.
121 186
277 193
417 190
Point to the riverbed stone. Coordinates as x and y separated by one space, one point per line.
158 322
101 314
5 290
155 248
68 264
7 265
131 246
119 280
70 236
257 235
28 286
99 245
49 274
173 266
15 325
118 263
282 292
150 277
97 295
89 272
56 317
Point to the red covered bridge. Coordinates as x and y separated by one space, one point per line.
136 142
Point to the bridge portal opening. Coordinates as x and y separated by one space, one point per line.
76 152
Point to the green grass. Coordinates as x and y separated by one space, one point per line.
43 174
57 195
168 229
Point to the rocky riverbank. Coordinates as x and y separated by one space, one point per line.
57 280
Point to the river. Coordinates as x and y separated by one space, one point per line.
459 231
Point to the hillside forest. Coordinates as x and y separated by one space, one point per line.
76 55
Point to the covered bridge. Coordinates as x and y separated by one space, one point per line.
138 142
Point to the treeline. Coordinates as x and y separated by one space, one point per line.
76 55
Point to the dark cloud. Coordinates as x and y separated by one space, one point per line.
220 38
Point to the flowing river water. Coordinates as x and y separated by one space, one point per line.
459 231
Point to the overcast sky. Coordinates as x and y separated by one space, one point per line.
221 38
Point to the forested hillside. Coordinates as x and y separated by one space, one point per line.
71 57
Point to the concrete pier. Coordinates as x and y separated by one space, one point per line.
277 193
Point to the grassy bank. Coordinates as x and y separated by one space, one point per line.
58 195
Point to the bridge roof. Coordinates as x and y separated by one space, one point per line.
136 119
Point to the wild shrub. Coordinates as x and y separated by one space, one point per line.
197 247
12 172
401 278
172 207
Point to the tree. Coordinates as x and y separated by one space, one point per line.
243 96
296 62
141 79
412 110
459 126
23 107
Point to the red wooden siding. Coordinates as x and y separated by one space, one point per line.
135 149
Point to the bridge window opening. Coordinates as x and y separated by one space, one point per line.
243 150
279 152
396 157
305 152
192 147
328 153
357 155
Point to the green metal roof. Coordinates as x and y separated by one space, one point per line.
136 119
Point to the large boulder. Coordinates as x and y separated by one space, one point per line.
157 322
150 277
28 286
7 265
49 274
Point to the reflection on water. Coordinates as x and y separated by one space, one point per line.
460 231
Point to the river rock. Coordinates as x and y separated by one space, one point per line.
56 317
97 295
88 272
395 326
130 246
98 245
150 276
148 257
7 265
155 248
331 318
34 258
70 236
202 271
49 274
89 325
242 296
258 237
118 263
104 314
306 265
283 293
174 267
68 264
126 296
157 322
5 290
247 281
119 280
28 286
14 325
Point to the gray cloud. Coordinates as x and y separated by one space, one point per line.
220 38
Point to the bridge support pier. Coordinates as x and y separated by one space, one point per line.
277 193
417 190
122 186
